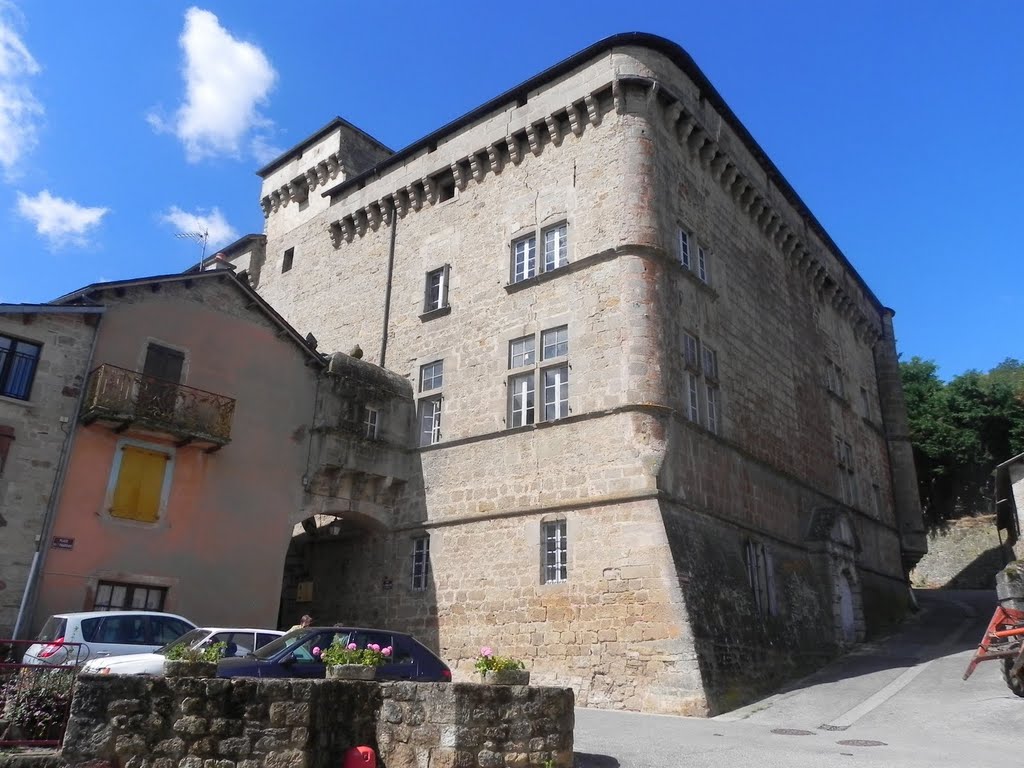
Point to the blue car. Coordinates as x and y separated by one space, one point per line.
292 655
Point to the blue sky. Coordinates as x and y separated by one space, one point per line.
899 124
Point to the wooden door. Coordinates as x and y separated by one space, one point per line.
162 374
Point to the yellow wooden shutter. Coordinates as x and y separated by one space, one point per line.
140 483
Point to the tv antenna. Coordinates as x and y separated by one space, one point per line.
197 237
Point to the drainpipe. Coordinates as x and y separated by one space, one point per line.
28 598
387 288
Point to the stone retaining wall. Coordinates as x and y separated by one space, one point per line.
965 554
140 722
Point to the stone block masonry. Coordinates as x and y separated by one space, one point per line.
139 722
727 429
34 437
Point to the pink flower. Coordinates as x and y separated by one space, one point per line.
373 647
351 646
486 651
385 651
316 650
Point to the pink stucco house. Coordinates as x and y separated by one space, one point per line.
185 473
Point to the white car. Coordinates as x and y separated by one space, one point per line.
74 638
237 642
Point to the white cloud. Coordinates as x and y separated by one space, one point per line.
226 79
61 222
221 233
19 110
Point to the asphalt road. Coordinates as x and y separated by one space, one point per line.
899 702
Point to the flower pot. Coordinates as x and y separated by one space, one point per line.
351 672
190 668
505 677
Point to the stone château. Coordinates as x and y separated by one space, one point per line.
660 450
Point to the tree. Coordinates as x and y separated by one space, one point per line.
960 431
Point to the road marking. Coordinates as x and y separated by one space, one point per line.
878 698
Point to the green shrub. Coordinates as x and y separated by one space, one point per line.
210 653
37 701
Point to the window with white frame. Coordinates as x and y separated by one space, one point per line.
556 392
431 375
524 258
834 378
760 577
693 254
550 376
701 391
521 352
713 407
371 417
845 471
430 421
555 243
431 379
522 395
420 563
865 402
684 247
554 552
692 396
710 362
691 354
556 247
436 292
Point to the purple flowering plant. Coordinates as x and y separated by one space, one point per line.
372 655
488 661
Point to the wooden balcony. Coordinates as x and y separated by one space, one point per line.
124 399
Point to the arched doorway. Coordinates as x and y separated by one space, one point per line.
333 571
834 537
846 615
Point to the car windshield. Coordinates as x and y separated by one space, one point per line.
52 630
285 641
189 638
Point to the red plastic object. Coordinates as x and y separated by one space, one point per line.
360 757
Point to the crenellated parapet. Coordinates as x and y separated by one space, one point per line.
332 168
788 236
534 138
787 233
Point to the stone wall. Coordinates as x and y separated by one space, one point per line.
36 432
963 554
141 722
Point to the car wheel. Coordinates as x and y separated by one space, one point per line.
1014 682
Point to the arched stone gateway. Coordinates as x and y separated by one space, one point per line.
835 538
332 568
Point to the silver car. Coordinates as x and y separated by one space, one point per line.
74 638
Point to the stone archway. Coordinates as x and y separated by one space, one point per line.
332 570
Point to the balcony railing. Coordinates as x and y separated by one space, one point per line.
131 399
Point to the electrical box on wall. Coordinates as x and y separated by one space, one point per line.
304 592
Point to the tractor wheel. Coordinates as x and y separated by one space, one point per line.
1016 682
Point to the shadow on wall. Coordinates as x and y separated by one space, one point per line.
745 649
965 554
981 572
